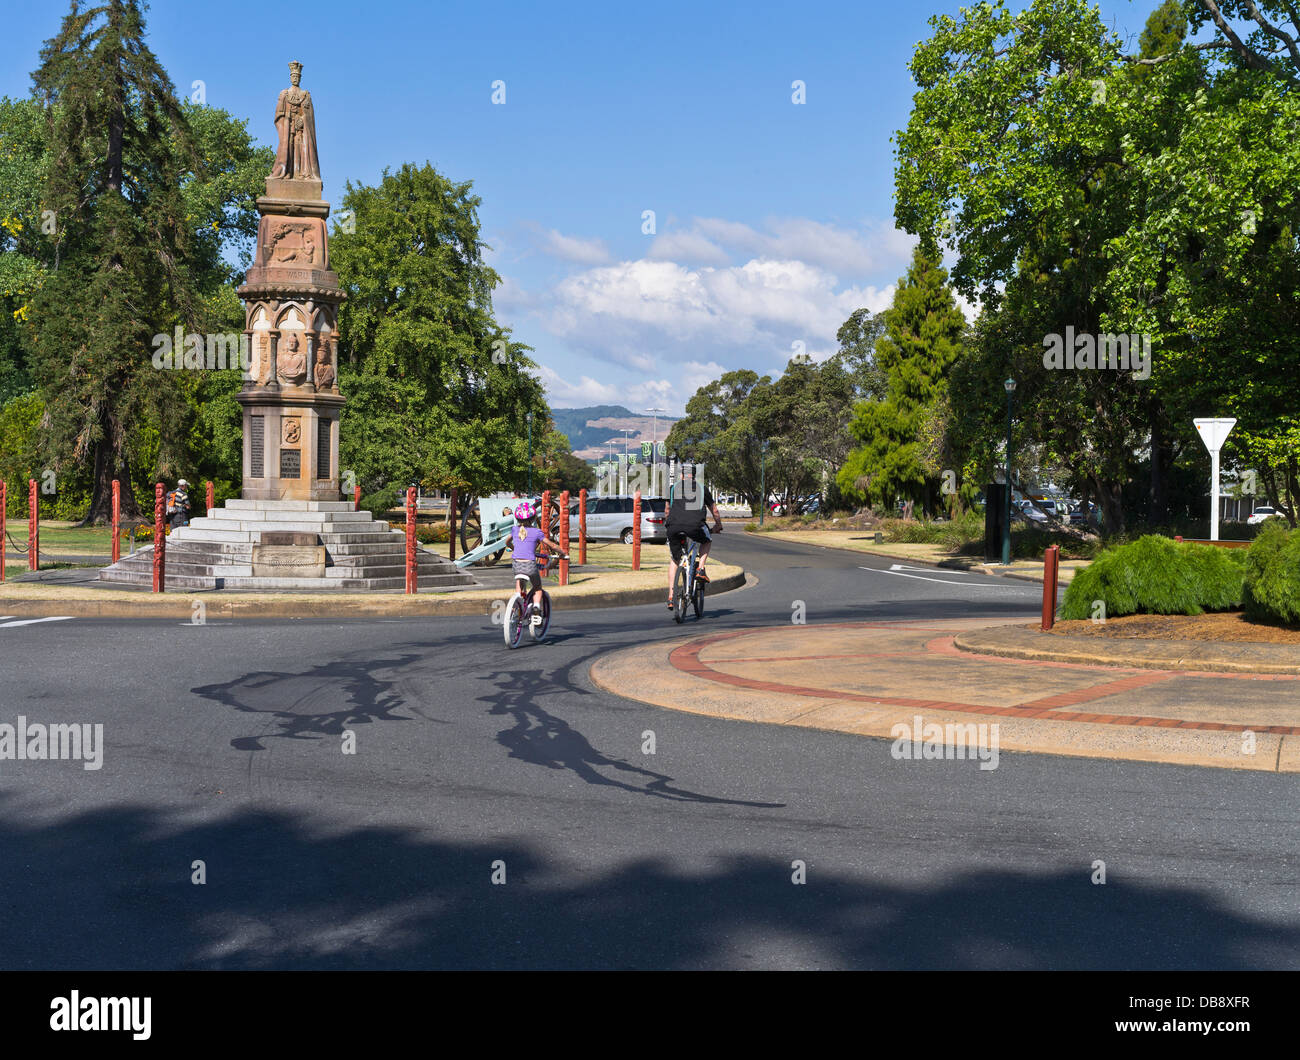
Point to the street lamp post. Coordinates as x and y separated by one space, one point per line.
762 481
1010 386
529 418
626 431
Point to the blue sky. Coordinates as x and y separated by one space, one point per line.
773 221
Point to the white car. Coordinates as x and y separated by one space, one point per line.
1259 515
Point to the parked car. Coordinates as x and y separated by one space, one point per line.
610 519
1260 514
1028 511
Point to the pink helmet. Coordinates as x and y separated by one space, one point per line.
525 511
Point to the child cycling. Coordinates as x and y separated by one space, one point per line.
524 541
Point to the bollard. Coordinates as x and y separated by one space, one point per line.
564 536
1051 569
546 520
33 527
356 499
451 522
117 520
211 498
582 527
636 530
4 541
159 538
410 540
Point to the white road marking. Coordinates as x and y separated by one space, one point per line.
941 581
900 566
33 621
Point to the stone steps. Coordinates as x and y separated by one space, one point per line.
216 551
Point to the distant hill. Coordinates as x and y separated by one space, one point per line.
591 429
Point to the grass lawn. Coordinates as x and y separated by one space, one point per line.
61 537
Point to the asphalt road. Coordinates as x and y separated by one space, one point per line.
224 743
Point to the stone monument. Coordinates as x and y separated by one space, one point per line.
290 395
291 529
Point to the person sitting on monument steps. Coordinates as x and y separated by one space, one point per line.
178 504
524 539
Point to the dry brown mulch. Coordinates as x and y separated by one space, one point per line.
1221 626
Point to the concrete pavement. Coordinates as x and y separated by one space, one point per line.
869 678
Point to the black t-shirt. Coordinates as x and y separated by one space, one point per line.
687 512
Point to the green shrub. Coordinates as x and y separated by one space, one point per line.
1273 575
435 534
1154 575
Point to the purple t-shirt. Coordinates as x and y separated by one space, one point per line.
524 541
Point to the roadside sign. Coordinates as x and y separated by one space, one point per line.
646 449
1214 432
662 448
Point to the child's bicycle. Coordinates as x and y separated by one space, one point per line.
687 586
520 610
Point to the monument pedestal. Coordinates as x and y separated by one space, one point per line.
235 547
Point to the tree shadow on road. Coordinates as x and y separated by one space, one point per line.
110 888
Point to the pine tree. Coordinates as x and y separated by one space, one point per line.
923 333
121 242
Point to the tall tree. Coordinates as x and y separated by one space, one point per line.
418 331
121 246
922 339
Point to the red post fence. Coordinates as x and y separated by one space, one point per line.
159 538
356 499
1051 572
451 523
4 540
582 527
410 540
211 498
33 527
564 536
636 530
546 514
117 520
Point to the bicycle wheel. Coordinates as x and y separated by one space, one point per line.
512 623
679 595
539 632
697 597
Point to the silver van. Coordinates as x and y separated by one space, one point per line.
610 519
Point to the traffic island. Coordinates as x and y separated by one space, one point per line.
29 598
909 683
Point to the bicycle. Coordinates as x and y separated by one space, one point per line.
687 586
520 610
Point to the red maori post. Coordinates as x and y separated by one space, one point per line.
564 536
210 499
356 498
582 527
159 538
4 540
411 569
636 530
33 527
1051 570
117 520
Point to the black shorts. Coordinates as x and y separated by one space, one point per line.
698 533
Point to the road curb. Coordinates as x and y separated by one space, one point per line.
180 604
1018 642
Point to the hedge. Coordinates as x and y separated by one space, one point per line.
1155 575
1273 575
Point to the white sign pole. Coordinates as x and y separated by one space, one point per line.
1213 433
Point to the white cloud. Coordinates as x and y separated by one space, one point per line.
637 397
686 246
636 310
569 248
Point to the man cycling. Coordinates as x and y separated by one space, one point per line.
688 516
